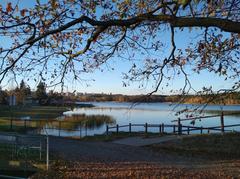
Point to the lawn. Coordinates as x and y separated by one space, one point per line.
34 112
39 116
210 146
39 113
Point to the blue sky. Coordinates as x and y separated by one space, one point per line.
110 81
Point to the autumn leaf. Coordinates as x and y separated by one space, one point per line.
54 4
9 7
22 12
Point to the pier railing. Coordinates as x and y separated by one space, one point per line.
79 129
177 128
168 128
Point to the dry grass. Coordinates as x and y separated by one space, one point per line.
213 146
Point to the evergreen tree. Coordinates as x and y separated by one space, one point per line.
41 93
22 92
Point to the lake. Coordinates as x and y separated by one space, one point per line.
112 113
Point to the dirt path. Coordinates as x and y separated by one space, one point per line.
111 160
91 159
75 150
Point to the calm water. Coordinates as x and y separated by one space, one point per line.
152 113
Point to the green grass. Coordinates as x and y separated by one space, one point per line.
34 112
40 113
212 146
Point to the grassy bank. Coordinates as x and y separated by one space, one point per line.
213 146
12 118
32 112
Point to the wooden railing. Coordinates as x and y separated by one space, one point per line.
82 130
167 128
179 128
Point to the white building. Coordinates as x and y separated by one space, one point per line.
12 100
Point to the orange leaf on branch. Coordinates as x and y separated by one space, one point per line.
22 12
9 7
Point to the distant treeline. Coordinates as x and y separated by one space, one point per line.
230 98
24 95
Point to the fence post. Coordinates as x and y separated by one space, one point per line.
146 128
59 128
25 125
117 128
174 129
201 129
130 127
11 125
107 130
188 131
222 122
162 127
179 127
80 131
40 150
47 160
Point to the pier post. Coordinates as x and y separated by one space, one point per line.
117 128
107 129
59 128
222 122
179 127
162 127
146 128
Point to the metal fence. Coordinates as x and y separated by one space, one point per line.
22 151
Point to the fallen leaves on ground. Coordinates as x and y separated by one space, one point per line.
126 170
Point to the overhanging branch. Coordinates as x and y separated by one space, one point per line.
222 24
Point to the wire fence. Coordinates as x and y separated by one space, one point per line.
21 153
79 129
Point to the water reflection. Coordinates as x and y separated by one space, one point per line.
93 120
87 121
75 121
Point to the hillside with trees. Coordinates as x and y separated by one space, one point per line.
42 97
